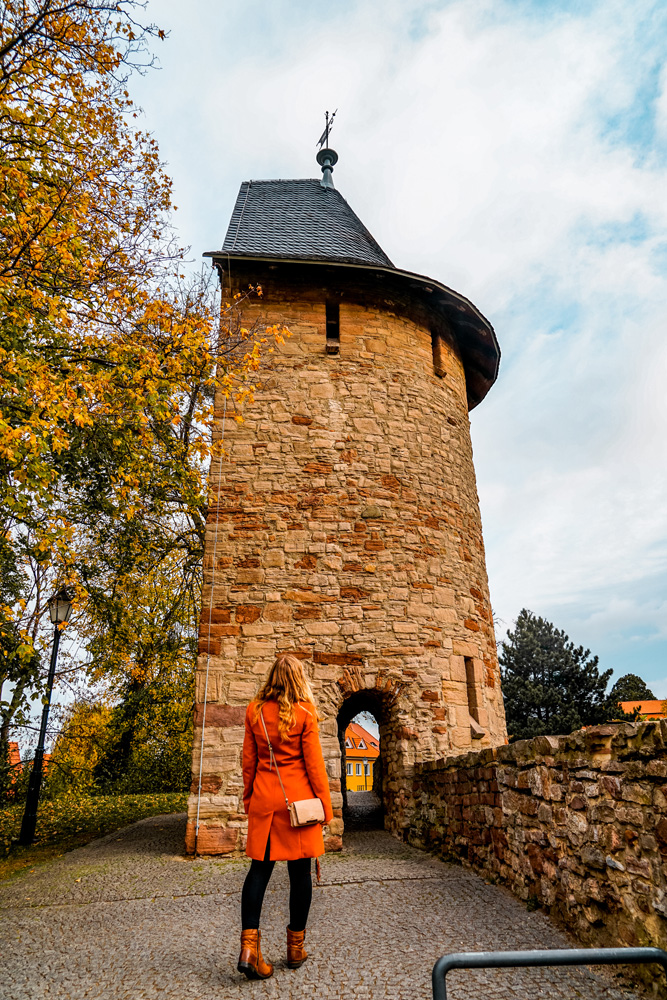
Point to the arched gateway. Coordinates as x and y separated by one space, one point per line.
345 523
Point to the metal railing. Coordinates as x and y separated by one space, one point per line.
526 959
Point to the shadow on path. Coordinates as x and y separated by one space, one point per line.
364 812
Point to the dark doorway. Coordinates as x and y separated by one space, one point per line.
360 723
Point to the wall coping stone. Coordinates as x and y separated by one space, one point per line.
624 741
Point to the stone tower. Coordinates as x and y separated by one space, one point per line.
345 523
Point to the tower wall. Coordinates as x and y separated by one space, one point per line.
345 526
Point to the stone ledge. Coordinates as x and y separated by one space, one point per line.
622 740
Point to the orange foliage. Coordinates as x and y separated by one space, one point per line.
108 360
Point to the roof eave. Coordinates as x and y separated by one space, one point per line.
466 310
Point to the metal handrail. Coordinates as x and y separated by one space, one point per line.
541 957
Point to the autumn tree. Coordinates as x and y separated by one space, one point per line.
108 359
80 744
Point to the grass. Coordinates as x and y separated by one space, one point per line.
70 821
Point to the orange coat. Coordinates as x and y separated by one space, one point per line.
303 775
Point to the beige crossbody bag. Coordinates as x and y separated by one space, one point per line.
306 812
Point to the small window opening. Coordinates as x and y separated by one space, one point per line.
438 347
333 328
472 691
476 730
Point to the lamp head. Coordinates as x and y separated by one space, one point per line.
60 606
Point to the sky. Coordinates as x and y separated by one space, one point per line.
517 152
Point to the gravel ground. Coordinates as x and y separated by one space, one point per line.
129 918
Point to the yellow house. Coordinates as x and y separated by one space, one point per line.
361 751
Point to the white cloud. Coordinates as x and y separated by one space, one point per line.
488 145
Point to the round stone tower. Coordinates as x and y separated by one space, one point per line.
345 521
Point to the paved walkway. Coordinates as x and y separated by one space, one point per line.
128 918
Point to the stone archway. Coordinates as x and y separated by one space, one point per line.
378 707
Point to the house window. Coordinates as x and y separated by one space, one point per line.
348 744
367 769
358 769
349 769
333 327
362 745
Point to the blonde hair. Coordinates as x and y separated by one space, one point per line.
287 683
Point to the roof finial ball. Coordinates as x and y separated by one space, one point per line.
327 157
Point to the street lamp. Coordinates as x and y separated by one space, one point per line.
365 773
60 607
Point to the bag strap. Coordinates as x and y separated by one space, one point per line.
272 758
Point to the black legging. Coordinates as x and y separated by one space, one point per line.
254 887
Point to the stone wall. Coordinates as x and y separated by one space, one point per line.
345 526
577 824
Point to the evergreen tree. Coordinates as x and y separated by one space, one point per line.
550 685
630 687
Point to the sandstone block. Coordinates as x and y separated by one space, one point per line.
211 839
219 716
254 648
322 391
322 628
464 648
260 628
277 612
250 576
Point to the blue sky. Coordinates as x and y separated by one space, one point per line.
516 151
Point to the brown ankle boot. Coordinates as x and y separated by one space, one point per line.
251 963
296 953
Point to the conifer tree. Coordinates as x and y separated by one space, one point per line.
630 687
550 685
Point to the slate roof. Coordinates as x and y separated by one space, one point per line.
299 219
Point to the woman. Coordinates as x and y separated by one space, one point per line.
285 706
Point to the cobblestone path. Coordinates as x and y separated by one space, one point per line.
128 918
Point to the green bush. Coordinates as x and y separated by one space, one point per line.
160 762
69 816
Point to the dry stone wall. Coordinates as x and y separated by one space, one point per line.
576 823
345 525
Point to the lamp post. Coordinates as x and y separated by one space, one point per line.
60 607
365 773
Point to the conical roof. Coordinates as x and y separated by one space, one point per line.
305 226
299 220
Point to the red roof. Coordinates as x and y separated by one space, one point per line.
647 709
364 744
14 755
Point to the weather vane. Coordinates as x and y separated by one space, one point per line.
324 138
